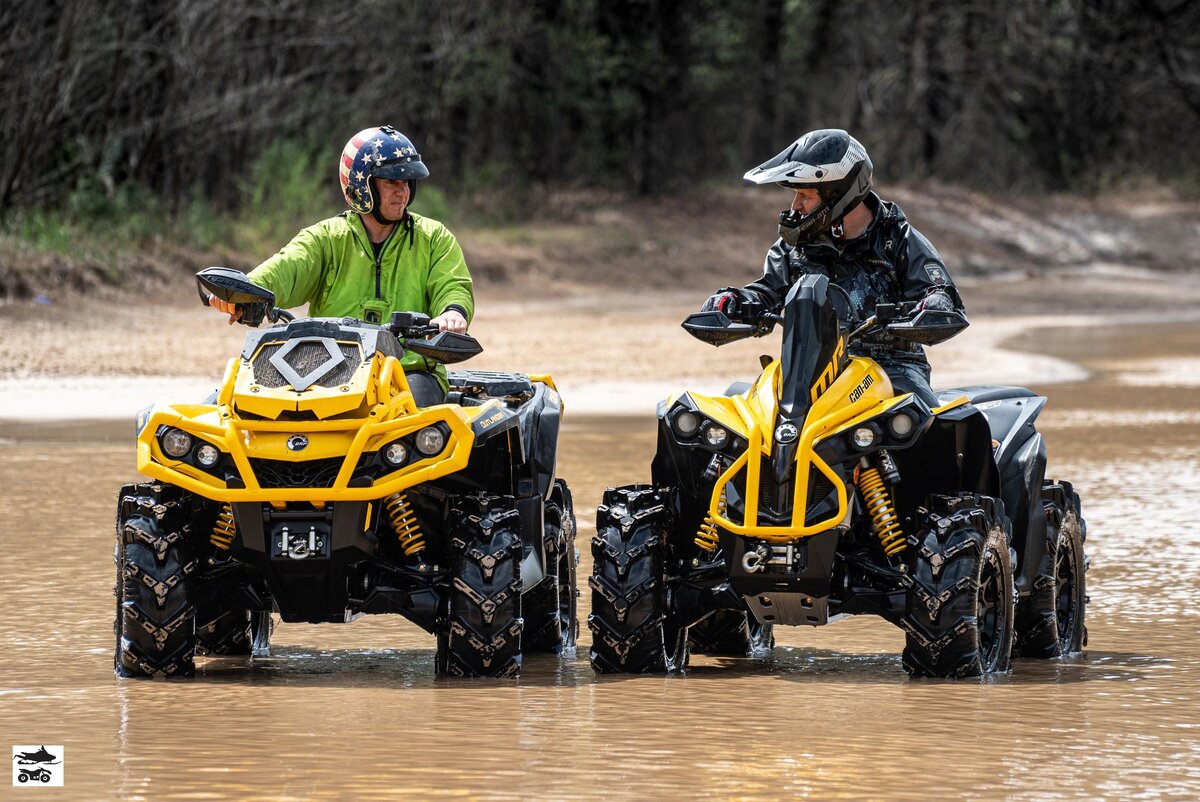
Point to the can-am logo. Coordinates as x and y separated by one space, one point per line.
786 433
297 442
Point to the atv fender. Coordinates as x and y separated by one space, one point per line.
1020 456
488 425
540 419
953 456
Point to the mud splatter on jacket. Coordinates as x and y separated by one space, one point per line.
891 262
332 267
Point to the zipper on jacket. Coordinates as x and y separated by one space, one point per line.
379 262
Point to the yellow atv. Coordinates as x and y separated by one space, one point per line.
816 493
312 486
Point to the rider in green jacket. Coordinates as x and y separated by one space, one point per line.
377 258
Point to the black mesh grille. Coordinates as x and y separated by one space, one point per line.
775 498
820 505
274 473
819 487
304 358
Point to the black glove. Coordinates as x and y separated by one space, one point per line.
724 300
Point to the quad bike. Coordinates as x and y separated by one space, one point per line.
816 493
41 775
312 486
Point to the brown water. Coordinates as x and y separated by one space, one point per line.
354 712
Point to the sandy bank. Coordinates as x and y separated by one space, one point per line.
603 364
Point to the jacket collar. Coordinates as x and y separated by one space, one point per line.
886 213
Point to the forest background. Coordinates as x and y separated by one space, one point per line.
145 136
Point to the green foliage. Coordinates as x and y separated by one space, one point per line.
92 222
40 230
432 202
150 100
288 188
199 224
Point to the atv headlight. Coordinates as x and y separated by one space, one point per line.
395 454
716 436
686 424
901 424
176 442
430 440
207 455
863 437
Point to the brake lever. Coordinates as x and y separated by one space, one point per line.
866 326
417 333
765 323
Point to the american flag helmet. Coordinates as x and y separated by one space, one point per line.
381 152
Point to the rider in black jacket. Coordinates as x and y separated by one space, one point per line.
838 227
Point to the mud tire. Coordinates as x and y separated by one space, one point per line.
551 607
234 632
729 633
482 636
959 620
156 617
1051 620
632 629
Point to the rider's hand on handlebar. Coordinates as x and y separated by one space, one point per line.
723 300
224 306
450 320
937 301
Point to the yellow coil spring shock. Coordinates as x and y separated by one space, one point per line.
706 535
224 528
878 499
404 521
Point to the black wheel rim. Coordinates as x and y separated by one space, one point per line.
1064 582
989 611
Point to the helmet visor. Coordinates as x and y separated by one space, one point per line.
406 169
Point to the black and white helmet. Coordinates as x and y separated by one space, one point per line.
830 161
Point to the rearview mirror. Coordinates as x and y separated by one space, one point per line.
232 286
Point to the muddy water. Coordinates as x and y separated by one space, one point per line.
353 711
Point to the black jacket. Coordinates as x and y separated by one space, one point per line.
891 262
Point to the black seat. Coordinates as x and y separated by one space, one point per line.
489 383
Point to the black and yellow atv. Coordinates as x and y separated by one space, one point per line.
816 493
312 486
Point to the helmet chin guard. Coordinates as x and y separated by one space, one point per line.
797 229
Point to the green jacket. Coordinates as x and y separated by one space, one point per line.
331 267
